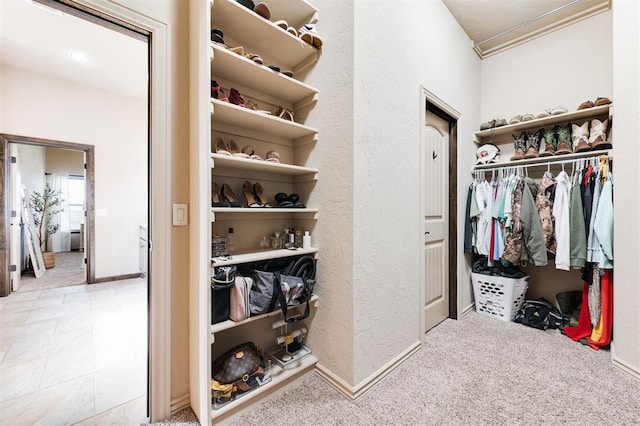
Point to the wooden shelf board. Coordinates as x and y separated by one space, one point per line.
258 165
542 161
246 118
258 256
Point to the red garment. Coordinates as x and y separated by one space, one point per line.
587 175
583 329
606 295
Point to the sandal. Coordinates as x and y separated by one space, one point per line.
238 50
217 92
257 190
221 147
284 113
283 200
254 106
282 24
309 34
235 98
247 190
248 149
255 58
235 151
262 9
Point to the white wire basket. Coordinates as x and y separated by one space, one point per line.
499 297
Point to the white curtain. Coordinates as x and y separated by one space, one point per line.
61 240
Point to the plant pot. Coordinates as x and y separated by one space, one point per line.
49 258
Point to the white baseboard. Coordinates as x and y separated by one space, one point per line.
468 309
622 365
181 402
354 392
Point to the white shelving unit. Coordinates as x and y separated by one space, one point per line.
293 140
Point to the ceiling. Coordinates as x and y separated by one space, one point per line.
38 39
488 19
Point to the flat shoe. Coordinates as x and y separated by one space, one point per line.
515 119
602 101
263 10
309 34
585 105
255 58
528 117
273 157
558 110
282 24
238 50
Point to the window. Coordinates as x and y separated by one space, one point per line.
76 202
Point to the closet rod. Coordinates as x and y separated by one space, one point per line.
549 163
524 23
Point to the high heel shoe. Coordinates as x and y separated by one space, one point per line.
217 92
235 150
235 98
215 197
257 190
227 195
247 190
221 147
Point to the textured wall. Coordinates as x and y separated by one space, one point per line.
399 46
331 334
626 96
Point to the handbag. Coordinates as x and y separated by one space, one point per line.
222 279
237 363
293 291
240 306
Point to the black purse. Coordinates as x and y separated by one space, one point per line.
222 280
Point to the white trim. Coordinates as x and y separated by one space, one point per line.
623 365
159 327
355 392
467 309
432 98
180 402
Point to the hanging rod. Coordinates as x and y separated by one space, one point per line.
524 23
593 155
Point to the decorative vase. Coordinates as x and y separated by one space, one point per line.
49 258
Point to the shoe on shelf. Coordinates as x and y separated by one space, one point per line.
247 3
520 144
284 113
227 195
564 140
254 106
235 150
221 147
273 157
527 117
217 36
580 137
263 10
602 101
283 200
255 58
515 119
550 139
501 122
257 191
217 92
544 113
248 150
235 98
558 110
488 125
309 34
585 105
533 144
216 201
598 134
295 199
239 50
249 195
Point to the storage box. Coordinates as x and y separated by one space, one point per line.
499 297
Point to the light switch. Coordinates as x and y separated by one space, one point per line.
180 214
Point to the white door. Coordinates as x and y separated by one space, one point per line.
435 187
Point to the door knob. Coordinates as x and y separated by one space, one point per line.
434 155
426 232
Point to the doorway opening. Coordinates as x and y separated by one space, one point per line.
438 216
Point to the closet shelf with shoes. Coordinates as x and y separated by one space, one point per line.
227 65
502 134
221 160
242 27
233 115
544 161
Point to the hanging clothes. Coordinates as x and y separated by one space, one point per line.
535 250
513 246
562 226
577 236
468 228
603 224
545 207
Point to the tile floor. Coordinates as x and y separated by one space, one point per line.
74 355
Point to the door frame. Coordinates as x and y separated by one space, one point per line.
5 216
430 102
132 22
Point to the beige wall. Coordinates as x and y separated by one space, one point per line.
64 161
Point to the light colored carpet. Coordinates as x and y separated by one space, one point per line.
69 270
475 371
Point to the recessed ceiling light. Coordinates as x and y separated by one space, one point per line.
78 56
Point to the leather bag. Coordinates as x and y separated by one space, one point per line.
237 363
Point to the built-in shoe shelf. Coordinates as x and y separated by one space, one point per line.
243 27
238 163
231 66
503 134
261 255
545 161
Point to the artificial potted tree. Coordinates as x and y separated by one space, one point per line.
45 206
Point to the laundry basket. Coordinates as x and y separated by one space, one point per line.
499 297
